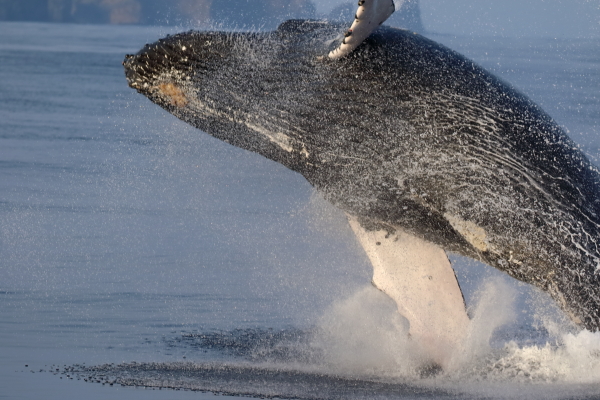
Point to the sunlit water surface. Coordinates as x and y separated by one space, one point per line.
143 255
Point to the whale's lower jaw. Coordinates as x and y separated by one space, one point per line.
418 276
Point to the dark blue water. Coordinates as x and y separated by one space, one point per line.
127 236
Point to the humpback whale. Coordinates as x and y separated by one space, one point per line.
424 150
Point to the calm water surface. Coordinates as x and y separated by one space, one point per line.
127 236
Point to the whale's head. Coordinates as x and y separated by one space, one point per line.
173 71
238 86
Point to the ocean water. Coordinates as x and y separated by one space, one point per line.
140 257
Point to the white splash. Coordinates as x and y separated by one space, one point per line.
365 336
493 309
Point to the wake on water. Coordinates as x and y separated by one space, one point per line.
360 348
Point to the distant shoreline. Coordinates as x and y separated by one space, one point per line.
232 13
243 14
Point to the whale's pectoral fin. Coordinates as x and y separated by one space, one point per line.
418 276
370 14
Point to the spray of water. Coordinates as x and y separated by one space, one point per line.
365 336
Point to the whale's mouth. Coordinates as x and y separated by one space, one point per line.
160 72
134 78
169 70
142 73
154 82
158 67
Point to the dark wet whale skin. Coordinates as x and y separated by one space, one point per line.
403 133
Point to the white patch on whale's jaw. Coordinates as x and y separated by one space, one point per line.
278 138
472 233
186 96
418 276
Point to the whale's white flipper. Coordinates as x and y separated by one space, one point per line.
418 276
370 14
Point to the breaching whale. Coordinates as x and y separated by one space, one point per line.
424 150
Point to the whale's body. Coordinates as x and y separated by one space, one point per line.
403 135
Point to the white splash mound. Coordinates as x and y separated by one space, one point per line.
364 335
575 359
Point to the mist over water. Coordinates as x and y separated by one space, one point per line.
127 236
